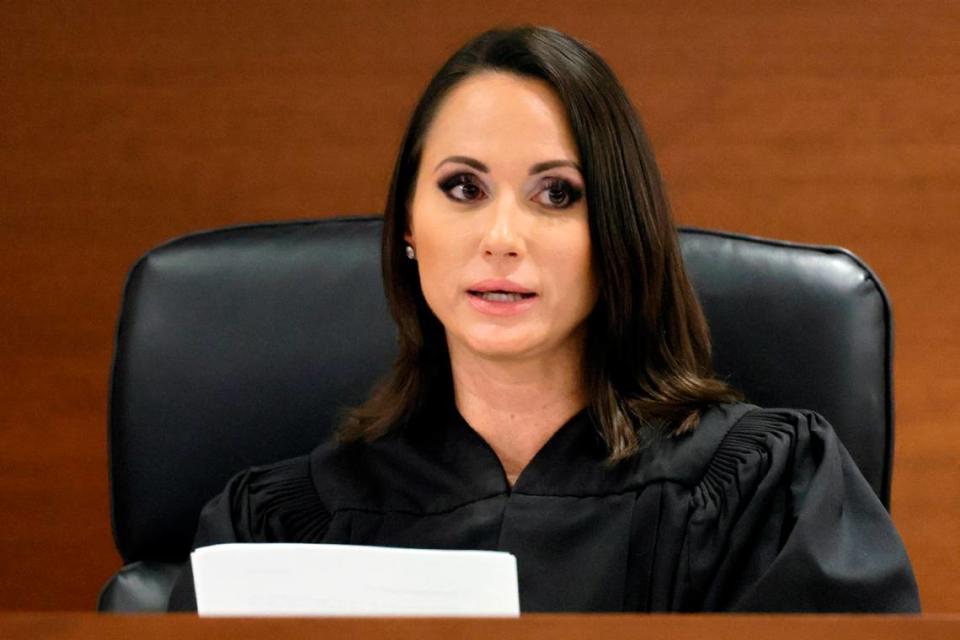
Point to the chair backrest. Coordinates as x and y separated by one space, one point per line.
241 345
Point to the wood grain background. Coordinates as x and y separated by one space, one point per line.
123 124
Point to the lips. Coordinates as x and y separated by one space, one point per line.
501 296
502 303
500 286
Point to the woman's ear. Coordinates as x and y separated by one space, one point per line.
408 237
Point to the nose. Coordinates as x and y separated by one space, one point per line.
503 237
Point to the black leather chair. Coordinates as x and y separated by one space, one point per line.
239 346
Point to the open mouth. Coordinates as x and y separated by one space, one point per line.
501 296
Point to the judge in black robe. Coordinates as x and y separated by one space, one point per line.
755 510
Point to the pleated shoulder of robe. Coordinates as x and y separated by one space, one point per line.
755 510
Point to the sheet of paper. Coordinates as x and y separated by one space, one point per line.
346 580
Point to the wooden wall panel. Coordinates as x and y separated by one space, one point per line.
124 124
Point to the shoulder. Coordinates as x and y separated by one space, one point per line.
734 440
765 449
265 503
782 520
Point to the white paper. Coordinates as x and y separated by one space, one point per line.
346 580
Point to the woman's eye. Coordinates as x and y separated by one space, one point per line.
461 188
559 194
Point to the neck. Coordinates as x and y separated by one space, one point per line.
517 405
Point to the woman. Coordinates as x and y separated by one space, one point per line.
553 395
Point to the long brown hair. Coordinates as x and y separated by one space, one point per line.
648 368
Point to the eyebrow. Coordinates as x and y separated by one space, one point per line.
537 168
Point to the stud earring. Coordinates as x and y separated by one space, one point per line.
410 253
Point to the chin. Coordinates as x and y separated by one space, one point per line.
500 348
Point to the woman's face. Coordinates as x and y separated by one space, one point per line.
499 204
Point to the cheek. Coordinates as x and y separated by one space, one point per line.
580 279
441 252
573 243
579 276
440 269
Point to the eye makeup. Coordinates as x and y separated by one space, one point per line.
563 187
466 188
466 182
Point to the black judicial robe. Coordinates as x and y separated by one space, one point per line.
756 510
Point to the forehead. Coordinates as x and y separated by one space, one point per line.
498 116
